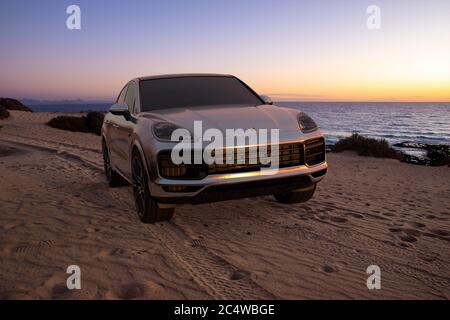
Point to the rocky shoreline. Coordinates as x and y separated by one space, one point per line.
433 155
424 154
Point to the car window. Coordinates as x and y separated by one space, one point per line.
130 97
191 91
121 97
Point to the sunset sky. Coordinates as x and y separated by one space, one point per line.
291 50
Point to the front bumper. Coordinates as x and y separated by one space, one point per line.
221 187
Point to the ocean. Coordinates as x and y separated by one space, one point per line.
70 107
394 121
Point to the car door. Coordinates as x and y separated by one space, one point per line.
124 130
112 124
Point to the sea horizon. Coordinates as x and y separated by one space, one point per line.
396 122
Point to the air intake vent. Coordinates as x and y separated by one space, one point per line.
169 170
314 152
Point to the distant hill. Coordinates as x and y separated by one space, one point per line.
13 104
31 102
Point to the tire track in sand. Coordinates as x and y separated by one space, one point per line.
218 277
221 279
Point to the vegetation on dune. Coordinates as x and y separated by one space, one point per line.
366 147
4 113
13 104
77 124
92 122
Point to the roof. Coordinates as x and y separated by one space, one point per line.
182 75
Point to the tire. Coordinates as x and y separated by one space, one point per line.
112 177
295 196
146 207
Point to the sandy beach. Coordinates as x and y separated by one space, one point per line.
56 210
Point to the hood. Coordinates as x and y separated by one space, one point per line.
230 117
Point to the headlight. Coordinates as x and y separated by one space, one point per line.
164 130
305 123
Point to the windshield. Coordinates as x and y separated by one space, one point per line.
195 91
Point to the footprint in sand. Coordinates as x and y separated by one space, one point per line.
239 274
388 214
412 232
127 292
440 232
13 225
408 238
131 291
328 269
338 219
197 243
34 249
428 257
403 245
415 224
59 290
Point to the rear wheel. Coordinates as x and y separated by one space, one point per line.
296 196
114 179
147 208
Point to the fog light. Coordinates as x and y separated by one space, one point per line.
174 188
173 171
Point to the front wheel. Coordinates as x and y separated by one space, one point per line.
296 196
147 208
113 178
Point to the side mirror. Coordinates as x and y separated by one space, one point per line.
266 99
120 109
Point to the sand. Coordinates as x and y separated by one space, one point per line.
56 210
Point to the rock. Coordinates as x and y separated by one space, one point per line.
13 104
439 155
434 155
410 144
407 151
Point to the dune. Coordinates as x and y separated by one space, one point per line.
56 210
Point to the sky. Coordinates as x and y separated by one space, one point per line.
290 50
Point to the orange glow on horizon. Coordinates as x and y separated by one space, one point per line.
302 50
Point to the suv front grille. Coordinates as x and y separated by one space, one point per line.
312 152
290 155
